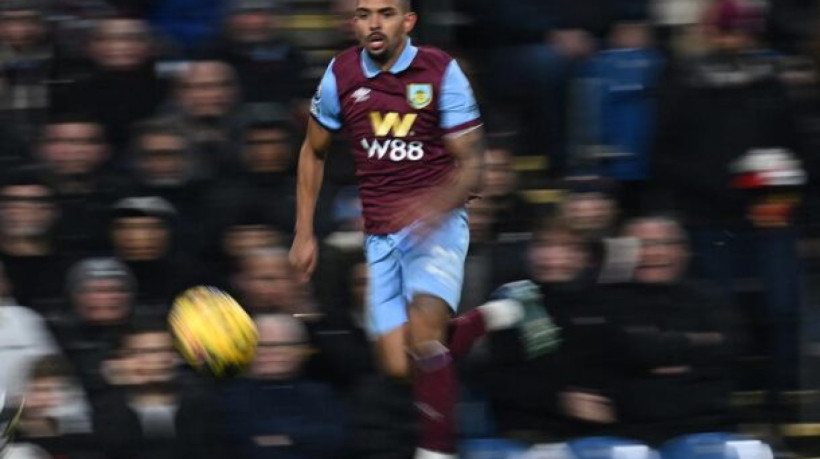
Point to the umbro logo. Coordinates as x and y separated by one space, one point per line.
361 95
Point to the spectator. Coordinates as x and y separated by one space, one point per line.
265 180
563 394
144 238
246 227
154 415
344 357
490 262
513 214
206 98
35 265
676 342
75 152
590 207
274 412
270 69
531 48
122 86
23 339
9 411
166 165
383 423
189 23
619 88
27 62
714 111
267 283
56 416
101 292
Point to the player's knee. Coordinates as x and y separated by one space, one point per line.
428 319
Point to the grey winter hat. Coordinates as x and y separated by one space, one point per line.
99 268
147 206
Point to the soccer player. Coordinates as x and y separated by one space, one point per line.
418 145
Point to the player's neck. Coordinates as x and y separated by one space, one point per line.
387 65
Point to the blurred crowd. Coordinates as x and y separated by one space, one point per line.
149 146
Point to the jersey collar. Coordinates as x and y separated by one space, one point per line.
372 69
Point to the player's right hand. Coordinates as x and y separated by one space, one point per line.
303 255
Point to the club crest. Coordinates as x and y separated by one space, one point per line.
419 95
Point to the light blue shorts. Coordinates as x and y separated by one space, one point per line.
402 265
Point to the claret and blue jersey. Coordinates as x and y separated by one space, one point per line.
396 121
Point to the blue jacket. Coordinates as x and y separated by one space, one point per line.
620 105
190 23
309 414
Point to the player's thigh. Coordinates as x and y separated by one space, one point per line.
386 303
434 266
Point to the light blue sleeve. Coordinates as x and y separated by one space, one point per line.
325 105
456 103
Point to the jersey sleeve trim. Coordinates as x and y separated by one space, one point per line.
464 128
323 125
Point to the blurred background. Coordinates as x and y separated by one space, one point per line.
652 164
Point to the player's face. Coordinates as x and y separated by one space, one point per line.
381 26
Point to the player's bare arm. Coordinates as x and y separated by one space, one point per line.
469 148
304 252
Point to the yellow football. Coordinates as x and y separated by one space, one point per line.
213 332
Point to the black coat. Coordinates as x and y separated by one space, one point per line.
195 429
654 327
706 123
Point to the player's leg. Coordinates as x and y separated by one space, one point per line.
433 269
391 353
387 312
435 384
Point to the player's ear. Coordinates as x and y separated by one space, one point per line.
410 19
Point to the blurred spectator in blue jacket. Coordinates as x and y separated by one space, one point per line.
269 67
617 110
189 23
274 413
